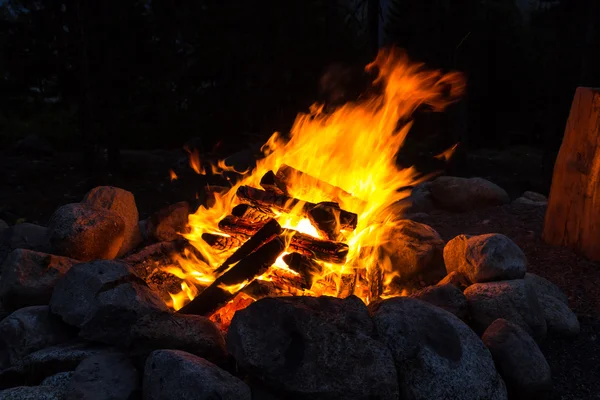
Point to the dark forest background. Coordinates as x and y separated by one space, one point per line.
118 74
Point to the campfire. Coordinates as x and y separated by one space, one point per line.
315 214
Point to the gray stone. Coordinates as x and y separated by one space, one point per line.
85 233
519 360
23 236
103 377
59 381
190 333
176 375
419 201
437 355
533 196
512 300
543 287
122 203
169 223
3 225
104 299
33 145
560 320
466 194
31 393
485 258
457 279
31 329
29 277
416 253
528 202
447 297
318 348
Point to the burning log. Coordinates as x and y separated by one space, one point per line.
346 284
222 243
280 285
325 250
216 295
375 282
253 214
305 266
286 175
262 236
326 218
262 199
270 183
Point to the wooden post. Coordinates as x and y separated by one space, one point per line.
573 214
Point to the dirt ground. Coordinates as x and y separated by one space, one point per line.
31 189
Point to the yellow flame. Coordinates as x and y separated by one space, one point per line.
353 148
172 175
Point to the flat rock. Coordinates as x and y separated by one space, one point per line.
31 393
447 297
519 360
318 348
512 300
122 203
416 253
31 329
485 258
104 299
170 222
437 355
190 333
29 277
85 233
465 194
175 375
103 377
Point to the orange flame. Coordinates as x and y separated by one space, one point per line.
353 148
173 175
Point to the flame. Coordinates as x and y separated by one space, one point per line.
353 148
173 175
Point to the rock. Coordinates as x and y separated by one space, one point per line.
23 236
103 377
143 227
447 297
3 225
33 145
37 366
190 333
543 287
84 233
436 354
532 199
104 299
519 360
31 393
533 196
559 317
466 194
457 279
416 253
419 201
318 348
29 277
485 258
31 329
168 223
59 381
122 203
512 300
175 375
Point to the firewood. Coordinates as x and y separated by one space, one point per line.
255 264
270 183
253 214
324 250
280 285
262 199
346 284
262 236
305 266
573 217
375 282
223 243
288 175
326 218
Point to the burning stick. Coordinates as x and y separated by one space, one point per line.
223 243
326 218
262 236
255 264
324 250
251 213
260 198
346 285
270 183
305 266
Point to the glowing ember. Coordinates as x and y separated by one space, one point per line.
352 149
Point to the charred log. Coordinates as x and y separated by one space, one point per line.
346 284
305 266
216 295
270 183
265 234
326 218
262 199
222 243
253 214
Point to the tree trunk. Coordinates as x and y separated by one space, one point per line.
573 215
